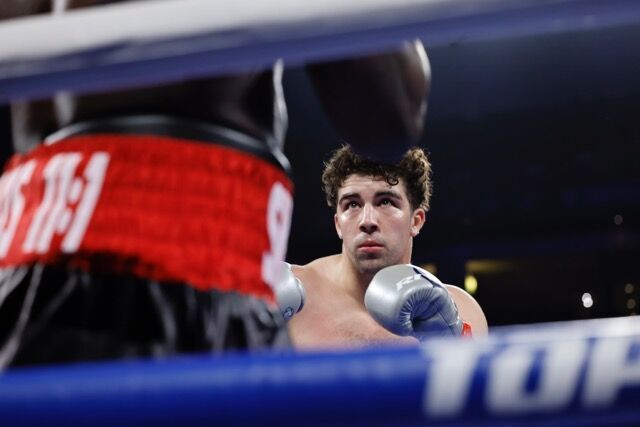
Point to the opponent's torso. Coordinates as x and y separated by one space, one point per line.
222 125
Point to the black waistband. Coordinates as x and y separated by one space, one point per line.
175 127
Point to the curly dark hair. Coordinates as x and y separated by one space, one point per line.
414 168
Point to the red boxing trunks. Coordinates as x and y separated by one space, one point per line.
117 245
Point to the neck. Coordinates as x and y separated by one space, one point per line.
354 282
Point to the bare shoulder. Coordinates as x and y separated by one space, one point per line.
470 310
315 270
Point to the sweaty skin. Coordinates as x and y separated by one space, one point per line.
335 317
377 225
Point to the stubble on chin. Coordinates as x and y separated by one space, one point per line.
370 265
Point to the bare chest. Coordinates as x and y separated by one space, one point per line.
331 320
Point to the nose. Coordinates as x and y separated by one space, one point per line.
368 220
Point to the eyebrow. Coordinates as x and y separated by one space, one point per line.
389 193
386 193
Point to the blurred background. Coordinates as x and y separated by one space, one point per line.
535 145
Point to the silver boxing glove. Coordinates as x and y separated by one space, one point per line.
408 300
289 292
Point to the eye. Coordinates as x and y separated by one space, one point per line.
349 204
387 202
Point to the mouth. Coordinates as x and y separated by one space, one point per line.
370 247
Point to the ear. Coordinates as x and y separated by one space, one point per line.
417 221
337 225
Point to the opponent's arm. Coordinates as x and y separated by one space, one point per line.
377 103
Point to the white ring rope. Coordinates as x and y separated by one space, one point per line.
131 43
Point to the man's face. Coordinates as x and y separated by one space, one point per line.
376 223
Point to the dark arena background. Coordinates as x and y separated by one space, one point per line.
535 145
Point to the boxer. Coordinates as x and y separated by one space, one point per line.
365 295
150 221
